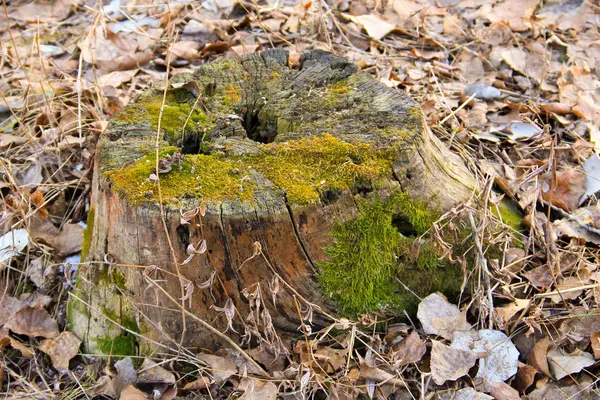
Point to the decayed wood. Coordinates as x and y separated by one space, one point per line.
128 231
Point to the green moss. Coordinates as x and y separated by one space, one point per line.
303 168
123 345
369 252
112 275
509 213
178 113
87 234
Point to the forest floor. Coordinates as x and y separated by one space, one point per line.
511 86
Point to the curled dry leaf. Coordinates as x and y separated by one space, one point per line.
525 377
441 318
505 313
375 26
538 357
503 391
566 190
255 389
409 350
33 321
126 374
595 341
219 367
562 364
61 349
151 372
130 392
449 364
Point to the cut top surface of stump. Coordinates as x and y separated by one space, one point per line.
249 128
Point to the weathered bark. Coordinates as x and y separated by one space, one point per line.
238 111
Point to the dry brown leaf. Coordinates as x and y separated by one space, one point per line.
33 321
566 190
116 78
8 140
449 364
25 350
514 258
410 350
330 360
439 317
515 13
375 26
130 392
151 372
186 49
200 383
126 374
220 367
540 277
528 63
505 313
503 391
595 340
562 364
61 349
467 393
538 357
525 377
576 227
257 389
66 241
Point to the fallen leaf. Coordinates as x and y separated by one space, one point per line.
595 340
439 317
330 360
126 375
517 131
449 364
562 364
525 377
498 355
504 313
200 383
130 392
116 78
186 49
480 91
151 372
540 277
66 241
555 391
256 389
13 243
592 177
538 357
409 350
503 391
464 394
33 321
8 140
375 26
515 13
566 189
583 224
61 349
25 350
220 367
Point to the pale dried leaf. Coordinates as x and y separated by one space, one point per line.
13 243
449 364
538 357
439 317
220 368
151 372
409 350
562 364
375 26
255 389
126 374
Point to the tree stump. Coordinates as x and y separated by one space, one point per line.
288 193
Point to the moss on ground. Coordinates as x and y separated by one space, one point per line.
369 252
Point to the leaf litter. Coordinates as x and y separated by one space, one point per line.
510 86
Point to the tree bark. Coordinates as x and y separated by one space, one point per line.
271 157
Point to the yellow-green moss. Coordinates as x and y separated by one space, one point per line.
123 345
303 168
509 214
87 234
369 252
176 111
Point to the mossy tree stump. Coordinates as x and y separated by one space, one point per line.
326 169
